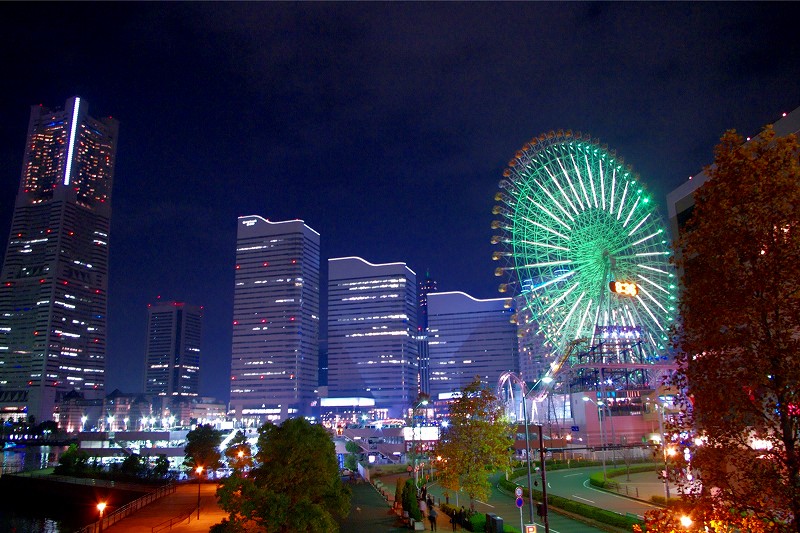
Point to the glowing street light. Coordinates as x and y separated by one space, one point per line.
686 522
101 507
84 418
110 420
422 403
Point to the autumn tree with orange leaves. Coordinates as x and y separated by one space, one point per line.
739 343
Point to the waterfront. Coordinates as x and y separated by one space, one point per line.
37 515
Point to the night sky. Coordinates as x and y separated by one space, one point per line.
386 127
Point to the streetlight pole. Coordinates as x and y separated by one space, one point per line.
663 450
542 463
414 439
199 471
602 435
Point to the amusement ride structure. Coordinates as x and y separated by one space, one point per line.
586 259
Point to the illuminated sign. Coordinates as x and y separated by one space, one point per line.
625 288
249 222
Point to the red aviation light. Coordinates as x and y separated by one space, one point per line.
266 263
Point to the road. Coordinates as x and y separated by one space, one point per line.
505 506
574 485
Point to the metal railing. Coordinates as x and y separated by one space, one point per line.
128 509
167 524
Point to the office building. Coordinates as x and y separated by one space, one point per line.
468 338
426 286
54 281
372 326
172 352
275 350
680 201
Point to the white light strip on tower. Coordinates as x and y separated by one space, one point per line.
71 147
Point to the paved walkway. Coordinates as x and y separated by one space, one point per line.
177 505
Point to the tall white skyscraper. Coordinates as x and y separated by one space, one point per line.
468 337
275 350
172 357
372 329
54 282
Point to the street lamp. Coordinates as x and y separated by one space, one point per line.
546 380
84 418
199 471
686 522
600 407
101 507
110 422
414 438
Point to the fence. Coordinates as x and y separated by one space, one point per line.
167 524
128 509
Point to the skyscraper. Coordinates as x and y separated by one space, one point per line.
275 350
468 338
55 273
172 356
372 325
426 286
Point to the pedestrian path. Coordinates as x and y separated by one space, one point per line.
179 507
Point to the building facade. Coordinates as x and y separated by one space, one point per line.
372 333
275 350
54 281
468 338
172 351
426 286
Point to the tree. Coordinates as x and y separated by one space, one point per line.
475 443
72 462
239 453
294 487
351 459
202 447
739 343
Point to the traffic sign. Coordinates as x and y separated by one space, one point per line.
576 428
520 503
530 528
518 492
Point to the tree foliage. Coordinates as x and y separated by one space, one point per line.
295 485
239 452
202 447
740 311
475 443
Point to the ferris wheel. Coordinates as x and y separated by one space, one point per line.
583 246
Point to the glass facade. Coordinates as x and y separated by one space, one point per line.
467 338
172 357
372 332
275 350
55 273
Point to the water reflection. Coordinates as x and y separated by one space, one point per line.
14 520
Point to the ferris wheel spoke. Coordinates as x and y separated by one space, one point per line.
580 179
554 217
622 202
639 224
613 184
591 179
563 194
575 194
650 296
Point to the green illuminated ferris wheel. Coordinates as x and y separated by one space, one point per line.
583 245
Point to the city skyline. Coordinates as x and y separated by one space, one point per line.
386 127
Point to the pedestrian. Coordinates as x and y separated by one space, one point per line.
423 507
454 520
432 517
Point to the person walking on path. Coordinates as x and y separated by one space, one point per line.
432 517
423 508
